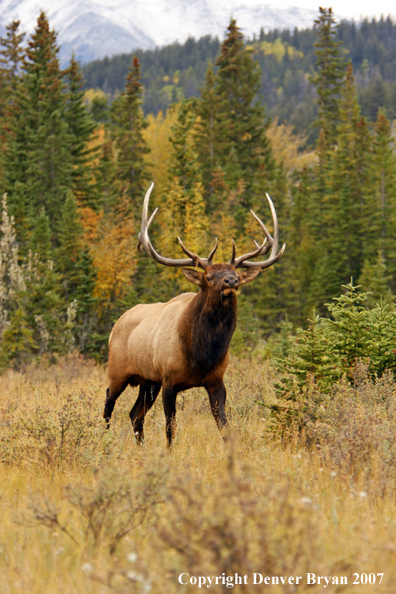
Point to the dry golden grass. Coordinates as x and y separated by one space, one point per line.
84 510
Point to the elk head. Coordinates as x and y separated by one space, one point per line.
222 280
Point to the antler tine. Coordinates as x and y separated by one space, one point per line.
144 243
212 253
264 249
197 261
232 261
273 243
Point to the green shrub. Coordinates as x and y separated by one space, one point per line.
330 350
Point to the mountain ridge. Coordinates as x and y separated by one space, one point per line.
92 29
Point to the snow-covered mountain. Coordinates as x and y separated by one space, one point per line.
98 28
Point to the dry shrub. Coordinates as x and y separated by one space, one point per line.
235 526
104 513
247 383
356 431
70 432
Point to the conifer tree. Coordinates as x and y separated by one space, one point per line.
348 218
208 138
44 305
375 281
183 163
384 193
105 173
86 301
81 127
11 56
69 250
16 337
330 70
245 150
38 160
128 125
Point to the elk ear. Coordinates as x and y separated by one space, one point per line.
248 275
193 276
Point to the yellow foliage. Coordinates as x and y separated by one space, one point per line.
196 222
90 221
157 137
114 260
286 147
91 94
278 49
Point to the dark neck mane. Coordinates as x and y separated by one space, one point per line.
206 329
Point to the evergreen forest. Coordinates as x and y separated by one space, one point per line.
287 61
77 158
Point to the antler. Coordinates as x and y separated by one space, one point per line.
261 250
145 244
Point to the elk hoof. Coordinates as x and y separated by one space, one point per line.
139 437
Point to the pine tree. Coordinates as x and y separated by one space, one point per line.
128 125
38 160
330 70
183 163
105 174
86 301
12 277
44 305
384 193
81 128
376 282
69 233
245 150
11 56
208 137
348 220
16 337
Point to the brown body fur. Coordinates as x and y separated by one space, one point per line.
176 345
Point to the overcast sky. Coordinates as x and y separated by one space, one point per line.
344 8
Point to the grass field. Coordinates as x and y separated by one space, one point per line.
84 510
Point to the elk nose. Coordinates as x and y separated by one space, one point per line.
231 282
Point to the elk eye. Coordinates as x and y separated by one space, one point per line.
208 278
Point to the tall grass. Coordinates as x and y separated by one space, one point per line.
84 510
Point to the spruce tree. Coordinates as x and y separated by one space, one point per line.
44 305
348 220
128 125
245 151
384 193
208 137
375 281
330 70
183 162
38 160
11 56
81 128
68 253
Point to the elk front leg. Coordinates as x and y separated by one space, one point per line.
147 396
217 397
115 388
169 401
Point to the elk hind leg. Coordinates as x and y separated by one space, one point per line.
148 393
114 390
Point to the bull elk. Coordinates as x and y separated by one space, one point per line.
183 343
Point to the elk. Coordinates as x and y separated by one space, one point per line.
183 343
